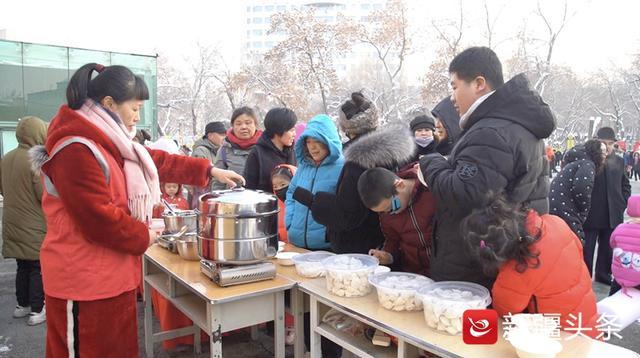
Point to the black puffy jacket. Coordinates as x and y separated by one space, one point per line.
501 149
570 196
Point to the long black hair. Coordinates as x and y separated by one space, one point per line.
593 148
116 81
497 233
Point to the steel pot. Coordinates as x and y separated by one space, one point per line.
238 226
173 223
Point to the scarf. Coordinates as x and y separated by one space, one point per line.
140 173
243 143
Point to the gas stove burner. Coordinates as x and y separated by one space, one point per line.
228 275
166 241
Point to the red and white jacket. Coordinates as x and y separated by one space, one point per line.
92 247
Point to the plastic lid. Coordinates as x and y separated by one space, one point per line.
316 256
350 262
457 291
402 281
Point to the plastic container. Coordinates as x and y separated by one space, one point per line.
348 275
397 290
310 264
445 302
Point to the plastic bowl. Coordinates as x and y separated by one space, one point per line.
530 345
310 264
348 274
397 290
286 258
445 302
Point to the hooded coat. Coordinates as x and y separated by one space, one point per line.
261 160
560 285
447 114
501 150
351 226
303 230
23 222
570 196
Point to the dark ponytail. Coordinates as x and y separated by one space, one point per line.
118 82
497 233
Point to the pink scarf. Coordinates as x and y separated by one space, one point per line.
141 175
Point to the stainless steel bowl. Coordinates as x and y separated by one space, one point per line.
173 223
188 247
238 252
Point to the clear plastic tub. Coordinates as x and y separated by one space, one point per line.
348 275
310 264
445 302
397 290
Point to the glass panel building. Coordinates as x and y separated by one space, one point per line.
34 77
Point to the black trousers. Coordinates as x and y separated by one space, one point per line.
29 290
603 264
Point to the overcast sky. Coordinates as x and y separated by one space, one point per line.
601 33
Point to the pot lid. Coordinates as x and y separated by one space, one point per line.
238 201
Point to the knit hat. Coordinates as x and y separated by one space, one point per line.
606 133
423 121
215 127
358 115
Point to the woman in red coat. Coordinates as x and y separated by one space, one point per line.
100 189
538 260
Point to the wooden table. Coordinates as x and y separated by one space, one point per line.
412 332
212 308
298 303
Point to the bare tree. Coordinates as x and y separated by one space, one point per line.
309 49
553 32
490 25
449 35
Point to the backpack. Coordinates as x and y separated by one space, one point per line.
625 244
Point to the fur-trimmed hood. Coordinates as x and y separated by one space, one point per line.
38 156
390 147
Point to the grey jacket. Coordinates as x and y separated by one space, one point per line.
232 158
203 148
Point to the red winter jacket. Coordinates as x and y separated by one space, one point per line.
92 248
408 233
560 285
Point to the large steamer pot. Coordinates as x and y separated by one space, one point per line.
174 223
238 226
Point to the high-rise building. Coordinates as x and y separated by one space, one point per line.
257 41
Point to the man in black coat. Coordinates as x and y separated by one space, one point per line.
611 190
501 150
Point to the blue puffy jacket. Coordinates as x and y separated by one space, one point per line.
303 231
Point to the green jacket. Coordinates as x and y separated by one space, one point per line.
24 226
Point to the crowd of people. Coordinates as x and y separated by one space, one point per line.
460 193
